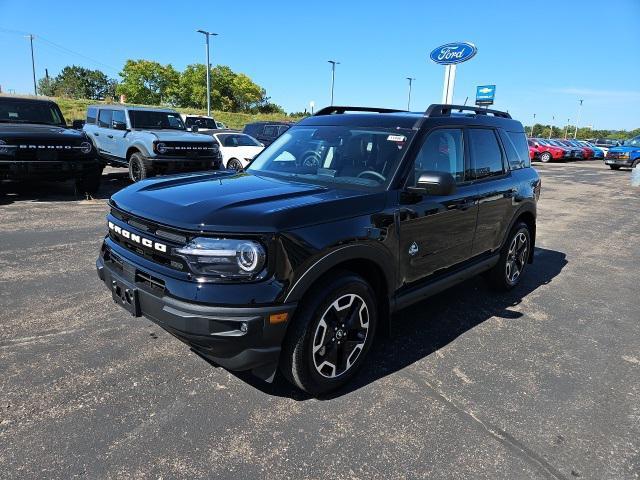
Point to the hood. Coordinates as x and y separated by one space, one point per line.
625 149
179 136
39 132
241 202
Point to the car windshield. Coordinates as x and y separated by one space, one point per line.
152 120
237 140
634 142
24 111
337 155
201 122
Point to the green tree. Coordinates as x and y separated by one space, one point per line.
149 83
78 82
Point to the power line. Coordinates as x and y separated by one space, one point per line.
60 48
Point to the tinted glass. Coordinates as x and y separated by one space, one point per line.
118 116
91 115
517 149
104 118
154 120
442 151
486 156
270 131
346 156
21 111
201 122
237 140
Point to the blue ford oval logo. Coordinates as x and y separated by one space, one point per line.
451 53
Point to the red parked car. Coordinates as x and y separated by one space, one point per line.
547 152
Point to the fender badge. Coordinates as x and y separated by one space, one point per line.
413 249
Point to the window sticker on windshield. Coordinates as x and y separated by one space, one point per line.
396 138
13 114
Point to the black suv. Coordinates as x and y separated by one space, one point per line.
348 217
35 144
266 132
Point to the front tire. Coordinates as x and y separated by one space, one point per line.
137 168
514 256
330 335
545 157
234 164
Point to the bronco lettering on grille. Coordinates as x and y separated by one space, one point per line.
160 247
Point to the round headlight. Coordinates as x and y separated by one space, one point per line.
161 148
250 255
85 147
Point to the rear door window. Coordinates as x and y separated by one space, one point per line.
104 118
486 155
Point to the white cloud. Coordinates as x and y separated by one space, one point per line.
590 92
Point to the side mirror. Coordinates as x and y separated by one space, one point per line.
116 125
434 183
195 128
77 124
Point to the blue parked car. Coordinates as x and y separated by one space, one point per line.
597 151
625 155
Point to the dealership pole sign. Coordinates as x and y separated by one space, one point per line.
485 95
450 55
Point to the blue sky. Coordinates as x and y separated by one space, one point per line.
543 56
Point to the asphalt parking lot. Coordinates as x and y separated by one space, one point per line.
543 382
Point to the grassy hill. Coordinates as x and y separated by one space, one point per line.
76 110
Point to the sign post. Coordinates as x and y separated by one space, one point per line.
450 55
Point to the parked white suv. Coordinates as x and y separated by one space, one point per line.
149 141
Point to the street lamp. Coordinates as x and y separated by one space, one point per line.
333 76
33 64
553 119
534 122
566 129
206 34
575 133
411 79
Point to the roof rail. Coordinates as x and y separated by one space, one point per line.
441 110
342 109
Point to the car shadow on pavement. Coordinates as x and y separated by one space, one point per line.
10 192
426 327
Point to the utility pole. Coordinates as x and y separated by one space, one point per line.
566 129
33 65
575 133
207 34
333 76
553 119
411 79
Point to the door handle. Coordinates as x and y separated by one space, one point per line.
461 205
110 136
96 134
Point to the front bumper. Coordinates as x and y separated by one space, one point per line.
622 162
47 169
235 337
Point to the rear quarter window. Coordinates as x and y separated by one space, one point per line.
517 149
92 114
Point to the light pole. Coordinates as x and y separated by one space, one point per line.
575 133
566 129
206 34
33 65
553 119
534 122
333 76
411 79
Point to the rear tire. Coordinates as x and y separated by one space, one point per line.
614 167
330 335
545 157
137 168
514 256
89 184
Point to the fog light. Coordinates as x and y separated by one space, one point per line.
244 327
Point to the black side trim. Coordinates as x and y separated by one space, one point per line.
421 292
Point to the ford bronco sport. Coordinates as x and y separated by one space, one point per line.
149 141
35 144
300 259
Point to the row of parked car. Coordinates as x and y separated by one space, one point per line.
37 144
615 153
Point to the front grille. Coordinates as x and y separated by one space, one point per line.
46 151
614 155
189 150
149 230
